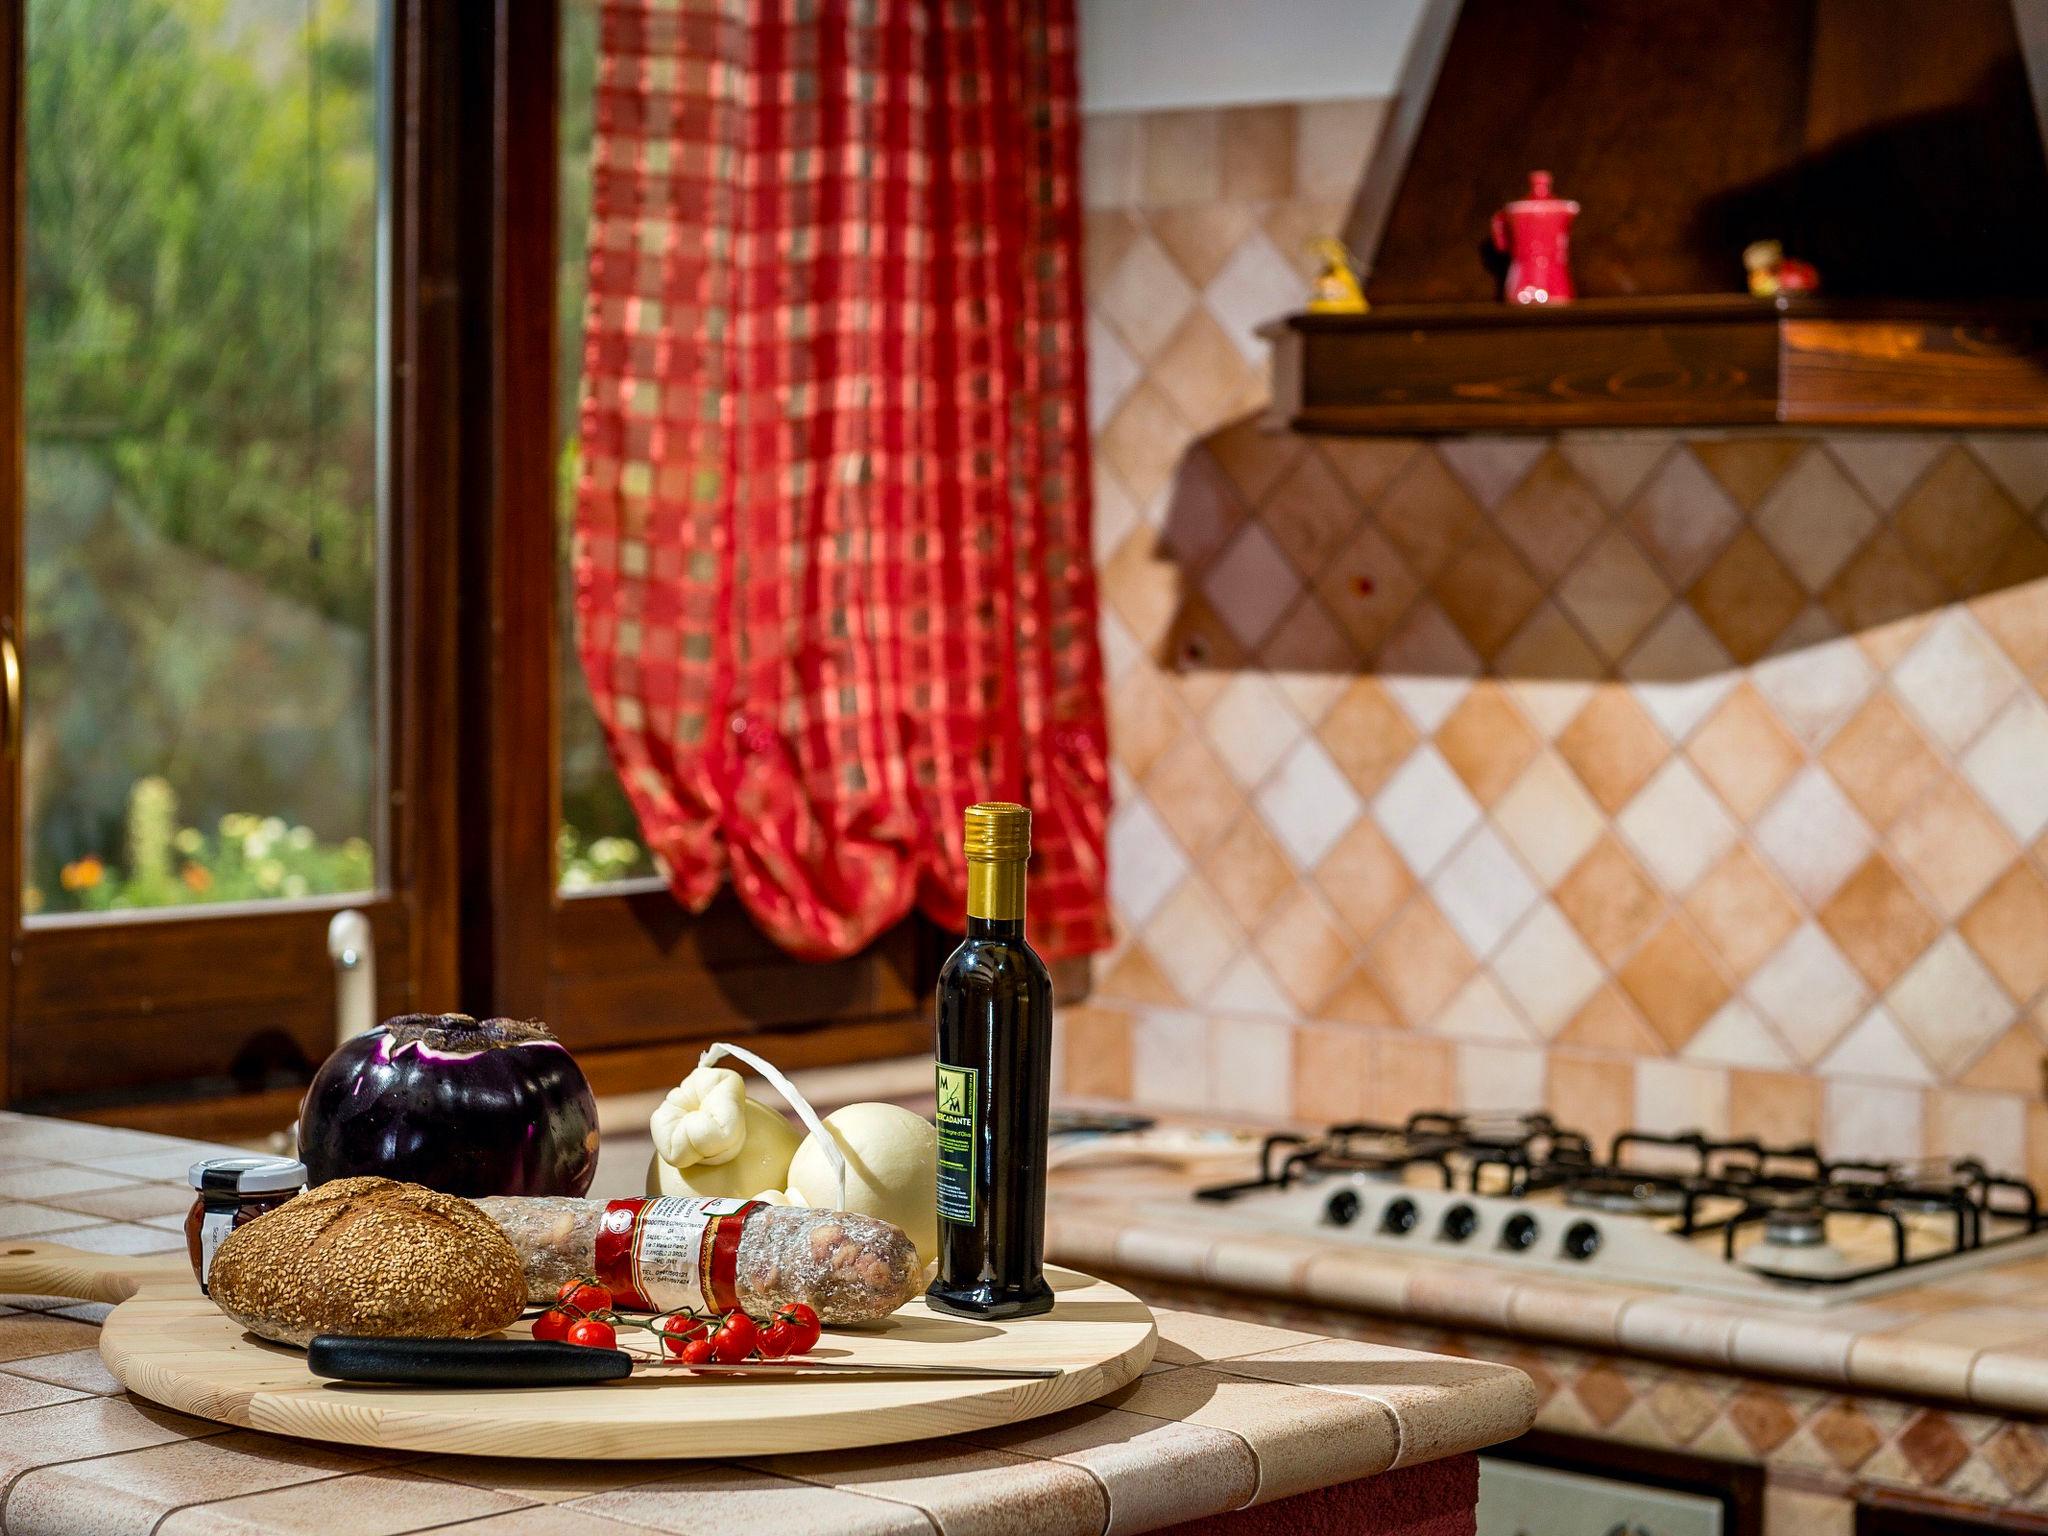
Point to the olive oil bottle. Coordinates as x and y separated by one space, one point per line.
995 1081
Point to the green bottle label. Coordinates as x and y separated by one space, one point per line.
959 1122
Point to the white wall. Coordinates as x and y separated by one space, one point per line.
1139 55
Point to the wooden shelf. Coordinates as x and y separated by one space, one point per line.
1717 360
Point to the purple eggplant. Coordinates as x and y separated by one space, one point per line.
492 1108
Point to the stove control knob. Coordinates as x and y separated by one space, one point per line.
1581 1240
1460 1222
1342 1208
1518 1232
1399 1217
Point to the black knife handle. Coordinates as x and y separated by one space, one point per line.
464 1362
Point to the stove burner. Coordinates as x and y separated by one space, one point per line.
1619 1193
1798 1226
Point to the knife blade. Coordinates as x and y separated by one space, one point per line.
545 1363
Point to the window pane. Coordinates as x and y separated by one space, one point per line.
599 839
202 467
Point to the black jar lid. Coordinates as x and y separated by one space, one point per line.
248 1175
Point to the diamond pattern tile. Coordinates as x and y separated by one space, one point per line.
1487 742
1744 752
1614 593
1367 588
1486 592
1712 763
1308 803
1813 518
1364 878
1420 960
1311 515
1807 990
1610 900
1949 1004
1957 519
1613 746
2008 766
1955 679
1885 464
1812 836
1251 585
1252 726
1548 818
1679 672
1427 514
1875 1048
1815 677
1878 922
1676 826
1483 891
1676 985
1427 666
1747 597
1881 760
2008 929
1683 518
1366 735
1425 811
1550 517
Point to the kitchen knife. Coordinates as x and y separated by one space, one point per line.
544 1363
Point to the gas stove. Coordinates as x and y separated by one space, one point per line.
1688 1211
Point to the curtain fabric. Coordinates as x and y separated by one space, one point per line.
833 569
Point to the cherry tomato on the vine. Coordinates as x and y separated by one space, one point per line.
735 1338
679 1329
802 1323
778 1339
593 1332
583 1296
696 1352
552 1325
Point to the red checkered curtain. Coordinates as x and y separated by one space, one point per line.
833 559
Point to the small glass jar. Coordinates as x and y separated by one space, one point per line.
233 1190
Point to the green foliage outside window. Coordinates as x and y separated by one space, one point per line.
201 409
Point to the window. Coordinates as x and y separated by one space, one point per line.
201 411
298 376
599 841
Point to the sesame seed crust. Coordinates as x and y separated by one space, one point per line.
372 1258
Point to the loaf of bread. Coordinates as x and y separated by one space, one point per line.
372 1258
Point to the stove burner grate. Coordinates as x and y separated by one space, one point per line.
1781 1196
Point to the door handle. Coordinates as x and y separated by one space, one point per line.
349 946
10 693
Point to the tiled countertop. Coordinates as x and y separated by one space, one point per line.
1979 1337
1229 1414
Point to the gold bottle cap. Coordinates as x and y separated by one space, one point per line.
998 832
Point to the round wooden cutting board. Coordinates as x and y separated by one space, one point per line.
168 1343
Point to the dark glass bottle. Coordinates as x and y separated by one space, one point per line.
995 1083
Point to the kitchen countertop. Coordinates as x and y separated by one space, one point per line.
1229 1414
1978 1337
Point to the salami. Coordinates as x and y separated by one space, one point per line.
666 1255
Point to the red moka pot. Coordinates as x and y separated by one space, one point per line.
1535 233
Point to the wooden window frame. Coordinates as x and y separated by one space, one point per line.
103 1016
201 1004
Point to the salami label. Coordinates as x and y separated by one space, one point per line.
672 1255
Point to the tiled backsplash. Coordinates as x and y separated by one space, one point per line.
1694 779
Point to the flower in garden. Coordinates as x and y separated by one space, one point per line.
196 878
82 874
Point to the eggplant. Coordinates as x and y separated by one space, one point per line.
492 1108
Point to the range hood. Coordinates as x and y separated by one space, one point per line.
1895 144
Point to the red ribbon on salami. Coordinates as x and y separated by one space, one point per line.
671 1255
